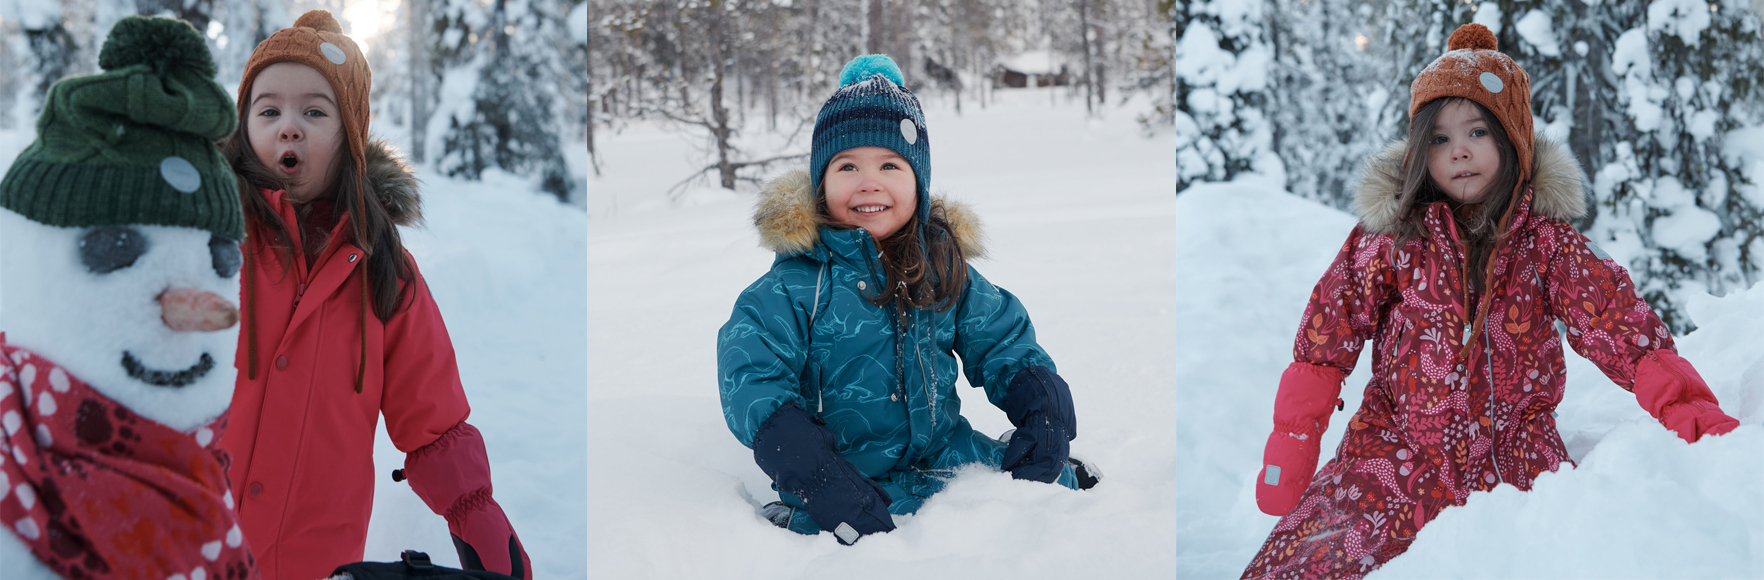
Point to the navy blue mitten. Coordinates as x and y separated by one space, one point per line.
800 456
1040 405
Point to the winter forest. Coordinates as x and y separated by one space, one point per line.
1660 101
463 86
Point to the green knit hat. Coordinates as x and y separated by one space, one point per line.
135 143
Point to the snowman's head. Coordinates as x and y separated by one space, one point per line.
119 228
145 314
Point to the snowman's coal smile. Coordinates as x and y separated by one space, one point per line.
166 378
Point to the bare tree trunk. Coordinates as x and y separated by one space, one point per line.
878 28
720 115
420 72
1084 34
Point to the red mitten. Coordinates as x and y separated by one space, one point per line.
452 475
1669 388
1301 415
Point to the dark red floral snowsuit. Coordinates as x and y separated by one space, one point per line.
1434 427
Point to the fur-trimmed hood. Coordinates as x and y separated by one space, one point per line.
788 223
1558 185
394 183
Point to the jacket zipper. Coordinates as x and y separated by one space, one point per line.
299 291
1493 453
1487 348
928 377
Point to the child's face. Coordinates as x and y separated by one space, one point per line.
872 188
296 127
1464 158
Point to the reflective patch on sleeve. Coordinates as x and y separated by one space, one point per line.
1273 476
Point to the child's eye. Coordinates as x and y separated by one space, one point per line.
315 113
848 167
269 113
1479 132
1439 139
890 165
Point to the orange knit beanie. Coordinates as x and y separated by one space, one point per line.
316 40
1472 68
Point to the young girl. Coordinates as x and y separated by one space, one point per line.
339 326
837 367
1459 268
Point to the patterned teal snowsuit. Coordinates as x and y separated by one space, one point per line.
805 333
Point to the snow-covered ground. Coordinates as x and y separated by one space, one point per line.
1642 503
506 264
1078 214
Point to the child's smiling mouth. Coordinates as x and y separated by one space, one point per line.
868 209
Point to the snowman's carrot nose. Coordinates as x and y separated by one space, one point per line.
191 310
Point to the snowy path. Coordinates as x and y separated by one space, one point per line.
1078 217
1642 504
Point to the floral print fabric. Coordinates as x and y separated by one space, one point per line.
1435 424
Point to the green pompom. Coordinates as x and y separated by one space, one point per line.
869 65
165 44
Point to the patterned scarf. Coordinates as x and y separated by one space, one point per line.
98 492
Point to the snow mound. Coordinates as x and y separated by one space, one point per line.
1642 504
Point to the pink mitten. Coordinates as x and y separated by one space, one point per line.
1301 415
452 475
1669 388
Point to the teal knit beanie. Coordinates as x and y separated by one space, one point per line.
873 108
135 143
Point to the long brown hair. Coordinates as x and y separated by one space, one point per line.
374 230
1479 224
930 275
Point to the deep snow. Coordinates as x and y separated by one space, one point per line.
505 263
1642 503
1078 215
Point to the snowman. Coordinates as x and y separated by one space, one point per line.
119 285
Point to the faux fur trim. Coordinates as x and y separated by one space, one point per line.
393 183
789 225
1558 186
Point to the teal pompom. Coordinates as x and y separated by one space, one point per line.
165 44
869 65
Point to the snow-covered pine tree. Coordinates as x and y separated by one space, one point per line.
1331 94
1153 57
1222 61
507 123
1680 213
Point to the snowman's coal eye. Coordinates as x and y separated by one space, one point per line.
111 248
226 256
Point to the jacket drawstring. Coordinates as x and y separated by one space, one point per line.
1489 282
361 237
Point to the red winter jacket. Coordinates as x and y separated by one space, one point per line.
301 437
1467 423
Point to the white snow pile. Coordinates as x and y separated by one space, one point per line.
1077 214
1641 504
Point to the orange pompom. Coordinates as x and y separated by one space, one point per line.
323 21
1473 35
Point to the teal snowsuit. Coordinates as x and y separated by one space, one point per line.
883 382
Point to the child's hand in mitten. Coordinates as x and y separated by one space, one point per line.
1040 404
802 458
1670 389
1301 415
452 475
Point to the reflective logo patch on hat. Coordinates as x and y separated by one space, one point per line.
180 174
333 53
1492 82
909 131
